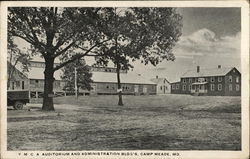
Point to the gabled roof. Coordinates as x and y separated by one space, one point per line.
16 71
108 77
158 80
207 72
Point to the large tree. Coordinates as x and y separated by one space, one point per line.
146 34
119 35
52 32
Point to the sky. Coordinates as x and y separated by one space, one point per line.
210 37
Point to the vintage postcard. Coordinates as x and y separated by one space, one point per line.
124 79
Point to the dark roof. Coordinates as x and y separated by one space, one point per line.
207 72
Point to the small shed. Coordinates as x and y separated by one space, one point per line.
163 85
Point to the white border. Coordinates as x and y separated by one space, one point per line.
244 153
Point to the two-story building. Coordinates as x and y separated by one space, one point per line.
219 81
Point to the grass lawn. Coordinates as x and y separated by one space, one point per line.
164 122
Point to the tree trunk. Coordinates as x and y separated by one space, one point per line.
119 84
48 104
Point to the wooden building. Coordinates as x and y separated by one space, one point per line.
163 86
104 82
33 81
219 81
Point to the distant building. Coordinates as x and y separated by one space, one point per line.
163 86
219 81
104 82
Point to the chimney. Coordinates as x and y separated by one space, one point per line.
156 77
198 69
219 66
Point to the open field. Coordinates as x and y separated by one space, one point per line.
166 122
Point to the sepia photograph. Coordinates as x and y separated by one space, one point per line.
124 80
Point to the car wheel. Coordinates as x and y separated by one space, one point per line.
18 105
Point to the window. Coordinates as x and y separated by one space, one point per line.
17 84
196 80
184 87
37 81
184 80
173 86
237 79
32 82
107 87
190 87
230 87
161 87
237 87
219 87
212 79
230 79
212 87
13 85
177 86
22 84
190 80
219 79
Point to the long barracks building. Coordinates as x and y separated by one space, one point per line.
104 82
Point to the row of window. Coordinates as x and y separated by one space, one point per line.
123 87
17 84
101 69
212 79
40 83
163 87
212 87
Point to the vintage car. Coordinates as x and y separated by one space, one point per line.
17 99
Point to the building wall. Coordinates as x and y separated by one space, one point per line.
233 83
38 85
212 82
21 84
18 81
163 87
175 88
111 88
219 81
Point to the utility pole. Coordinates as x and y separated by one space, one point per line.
76 83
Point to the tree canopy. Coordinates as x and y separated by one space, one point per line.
120 35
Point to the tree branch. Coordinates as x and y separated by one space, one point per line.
78 56
64 50
29 41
